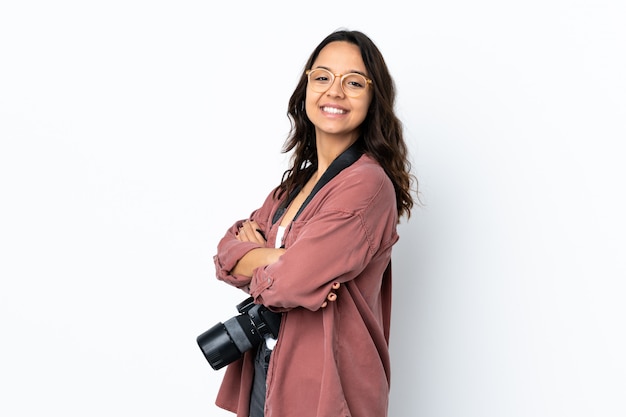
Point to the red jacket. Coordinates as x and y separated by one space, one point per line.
333 361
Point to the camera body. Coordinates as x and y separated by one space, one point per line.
226 342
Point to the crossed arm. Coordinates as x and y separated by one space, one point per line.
260 257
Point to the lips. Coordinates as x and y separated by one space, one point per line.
333 110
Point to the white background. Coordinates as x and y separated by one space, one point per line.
133 133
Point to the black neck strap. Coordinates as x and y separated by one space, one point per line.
344 160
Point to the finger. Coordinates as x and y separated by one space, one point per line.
260 234
241 234
246 229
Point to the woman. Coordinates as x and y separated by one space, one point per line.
321 255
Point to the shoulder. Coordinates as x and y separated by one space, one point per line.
367 165
365 183
366 175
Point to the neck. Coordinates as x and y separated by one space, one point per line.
328 151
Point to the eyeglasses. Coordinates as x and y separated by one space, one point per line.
352 84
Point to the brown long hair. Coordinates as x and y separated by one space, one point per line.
381 134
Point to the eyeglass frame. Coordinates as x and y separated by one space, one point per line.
368 81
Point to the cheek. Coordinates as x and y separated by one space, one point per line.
310 104
362 109
367 103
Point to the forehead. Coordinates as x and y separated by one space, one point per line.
341 57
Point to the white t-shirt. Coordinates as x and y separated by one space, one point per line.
270 342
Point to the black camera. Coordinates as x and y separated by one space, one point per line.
226 342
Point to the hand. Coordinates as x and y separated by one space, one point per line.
250 231
331 296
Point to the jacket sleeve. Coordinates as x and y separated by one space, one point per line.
334 245
230 250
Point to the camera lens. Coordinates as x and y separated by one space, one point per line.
225 342
217 346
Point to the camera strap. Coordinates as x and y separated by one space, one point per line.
344 160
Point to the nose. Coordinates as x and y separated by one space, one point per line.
335 89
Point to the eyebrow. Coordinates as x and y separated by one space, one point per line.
349 71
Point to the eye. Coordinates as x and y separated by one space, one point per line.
354 84
355 81
320 76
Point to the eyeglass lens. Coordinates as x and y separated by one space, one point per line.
353 84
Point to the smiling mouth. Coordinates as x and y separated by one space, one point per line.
333 110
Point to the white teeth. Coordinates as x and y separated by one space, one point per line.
333 110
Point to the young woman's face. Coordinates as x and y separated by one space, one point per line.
333 112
